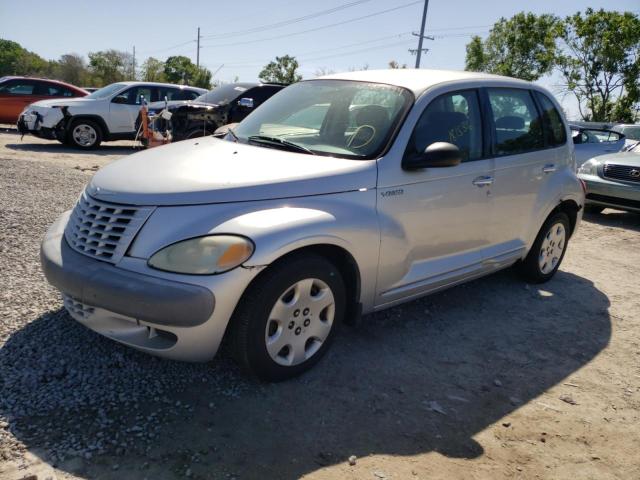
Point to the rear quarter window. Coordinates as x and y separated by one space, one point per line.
554 129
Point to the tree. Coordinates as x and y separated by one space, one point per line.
523 46
153 70
110 66
202 78
600 64
281 70
180 69
72 68
394 65
16 60
322 71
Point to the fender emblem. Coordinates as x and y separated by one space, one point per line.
392 193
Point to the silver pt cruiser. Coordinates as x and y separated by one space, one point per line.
337 197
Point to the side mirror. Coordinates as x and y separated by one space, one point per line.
246 102
436 155
121 99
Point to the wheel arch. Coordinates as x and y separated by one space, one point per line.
570 208
342 259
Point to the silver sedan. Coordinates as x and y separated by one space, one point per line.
613 181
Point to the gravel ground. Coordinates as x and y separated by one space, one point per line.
493 379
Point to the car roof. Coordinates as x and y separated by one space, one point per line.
160 84
18 77
417 80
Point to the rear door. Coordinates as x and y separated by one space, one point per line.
524 163
15 95
434 221
125 107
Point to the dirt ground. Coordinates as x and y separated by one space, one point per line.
489 380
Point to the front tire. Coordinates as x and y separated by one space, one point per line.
286 321
548 250
84 134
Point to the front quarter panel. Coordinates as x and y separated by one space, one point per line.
277 227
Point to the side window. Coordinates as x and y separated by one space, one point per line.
18 87
554 130
518 127
176 94
259 94
454 118
134 95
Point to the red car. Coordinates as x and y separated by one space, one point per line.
18 92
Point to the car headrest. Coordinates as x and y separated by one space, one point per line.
510 122
374 115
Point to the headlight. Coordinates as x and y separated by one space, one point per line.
203 255
590 167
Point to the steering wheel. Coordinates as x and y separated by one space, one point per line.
361 128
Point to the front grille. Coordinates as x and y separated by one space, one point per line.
104 230
622 172
76 307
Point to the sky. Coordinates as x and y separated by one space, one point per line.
239 38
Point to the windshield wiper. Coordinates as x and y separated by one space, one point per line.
279 141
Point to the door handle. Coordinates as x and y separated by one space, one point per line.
483 181
549 168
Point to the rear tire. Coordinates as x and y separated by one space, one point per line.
84 134
287 319
548 250
593 209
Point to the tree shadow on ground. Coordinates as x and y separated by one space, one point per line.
425 376
615 218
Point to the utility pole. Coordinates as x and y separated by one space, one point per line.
134 64
198 51
421 36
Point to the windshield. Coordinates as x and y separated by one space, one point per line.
107 91
223 94
338 118
632 133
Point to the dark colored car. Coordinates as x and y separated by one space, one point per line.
223 105
18 92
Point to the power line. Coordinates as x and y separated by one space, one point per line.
284 23
168 48
253 63
302 32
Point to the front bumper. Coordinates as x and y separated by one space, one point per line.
609 193
162 316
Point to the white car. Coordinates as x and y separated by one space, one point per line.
410 181
592 142
107 114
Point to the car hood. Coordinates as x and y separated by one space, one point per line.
63 102
631 159
175 104
209 170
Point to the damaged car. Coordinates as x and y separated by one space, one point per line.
105 115
203 116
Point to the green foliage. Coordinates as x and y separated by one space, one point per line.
202 78
523 46
281 70
109 66
180 69
600 63
72 68
153 70
16 60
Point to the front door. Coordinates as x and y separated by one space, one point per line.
434 221
125 107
